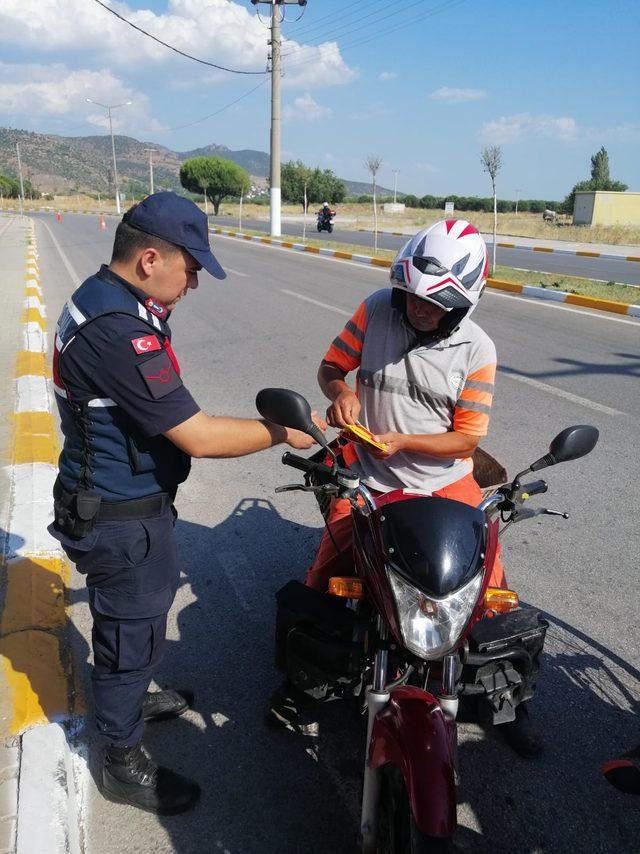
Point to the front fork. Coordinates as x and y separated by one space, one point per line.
377 698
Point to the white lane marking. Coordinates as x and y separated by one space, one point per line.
537 303
75 278
32 394
489 291
237 272
558 392
316 302
32 509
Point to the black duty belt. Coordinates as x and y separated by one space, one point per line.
121 511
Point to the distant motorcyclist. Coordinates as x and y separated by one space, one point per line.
325 217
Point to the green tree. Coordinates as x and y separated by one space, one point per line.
600 180
600 169
218 178
322 185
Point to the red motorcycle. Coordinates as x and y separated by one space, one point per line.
415 629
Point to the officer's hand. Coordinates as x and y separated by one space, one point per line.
300 441
344 410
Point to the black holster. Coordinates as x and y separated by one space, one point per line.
75 512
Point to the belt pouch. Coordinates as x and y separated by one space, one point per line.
76 517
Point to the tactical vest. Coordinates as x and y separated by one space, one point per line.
103 448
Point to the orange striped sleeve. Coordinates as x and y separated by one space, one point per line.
346 349
471 415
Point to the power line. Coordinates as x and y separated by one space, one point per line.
344 13
175 49
294 64
336 30
217 112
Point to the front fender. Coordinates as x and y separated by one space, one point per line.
413 733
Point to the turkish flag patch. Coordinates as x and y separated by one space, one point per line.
159 375
146 344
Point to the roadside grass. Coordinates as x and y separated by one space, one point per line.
554 281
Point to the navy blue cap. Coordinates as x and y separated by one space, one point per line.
176 220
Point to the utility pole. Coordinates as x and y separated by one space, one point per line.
151 150
518 191
108 108
395 184
275 195
21 181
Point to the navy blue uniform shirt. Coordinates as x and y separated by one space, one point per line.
102 362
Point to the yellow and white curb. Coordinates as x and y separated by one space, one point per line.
583 253
531 291
34 652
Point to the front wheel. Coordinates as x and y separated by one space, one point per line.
319 227
397 830
329 228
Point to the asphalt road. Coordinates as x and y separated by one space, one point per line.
269 324
606 269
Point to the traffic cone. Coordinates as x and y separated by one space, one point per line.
59 216
103 224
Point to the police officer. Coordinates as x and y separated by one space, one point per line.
130 428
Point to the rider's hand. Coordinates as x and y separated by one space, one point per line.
344 410
394 441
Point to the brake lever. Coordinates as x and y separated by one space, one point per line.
299 487
561 513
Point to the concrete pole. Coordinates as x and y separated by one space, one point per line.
275 190
21 181
395 184
517 200
115 168
150 150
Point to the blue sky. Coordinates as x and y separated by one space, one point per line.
423 84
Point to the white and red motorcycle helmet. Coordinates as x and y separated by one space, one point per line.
446 264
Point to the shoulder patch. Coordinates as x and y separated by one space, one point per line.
159 375
145 344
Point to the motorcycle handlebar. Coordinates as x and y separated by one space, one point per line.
303 464
537 487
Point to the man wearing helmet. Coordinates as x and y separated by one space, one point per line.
424 383
424 388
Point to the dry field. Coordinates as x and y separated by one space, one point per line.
360 216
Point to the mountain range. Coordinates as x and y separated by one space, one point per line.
63 164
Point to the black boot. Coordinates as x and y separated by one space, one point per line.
163 705
130 777
521 735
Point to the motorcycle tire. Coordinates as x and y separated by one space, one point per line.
319 228
397 830
329 228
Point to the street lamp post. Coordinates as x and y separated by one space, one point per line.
108 108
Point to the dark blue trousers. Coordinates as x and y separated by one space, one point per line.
132 575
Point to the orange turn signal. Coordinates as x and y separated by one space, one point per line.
347 587
499 600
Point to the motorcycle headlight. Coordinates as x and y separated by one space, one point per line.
430 627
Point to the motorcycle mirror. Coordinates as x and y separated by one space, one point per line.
290 409
570 444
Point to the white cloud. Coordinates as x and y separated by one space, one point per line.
305 109
508 129
56 90
427 167
387 75
219 31
457 96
